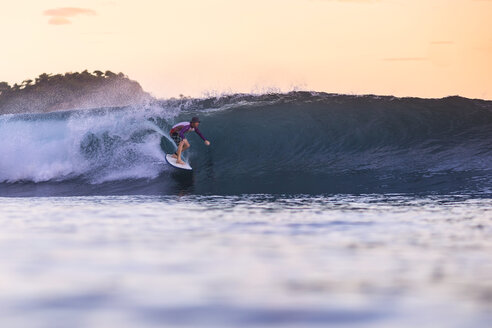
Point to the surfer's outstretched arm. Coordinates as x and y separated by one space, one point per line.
201 136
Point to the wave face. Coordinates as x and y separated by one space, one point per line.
298 142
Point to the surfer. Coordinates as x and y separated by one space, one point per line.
177 134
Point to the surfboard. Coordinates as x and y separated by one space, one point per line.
172 161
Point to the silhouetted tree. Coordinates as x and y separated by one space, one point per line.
43 78
26 83
109 74
98 73
4 86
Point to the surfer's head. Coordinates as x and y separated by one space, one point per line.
194 121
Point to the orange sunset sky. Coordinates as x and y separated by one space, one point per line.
425 48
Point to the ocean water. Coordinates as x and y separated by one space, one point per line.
246 261
307 210
296 143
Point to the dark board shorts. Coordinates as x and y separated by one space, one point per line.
176 138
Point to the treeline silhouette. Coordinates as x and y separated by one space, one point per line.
49 92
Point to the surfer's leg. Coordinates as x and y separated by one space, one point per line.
186 144
183 145
180 149
177 140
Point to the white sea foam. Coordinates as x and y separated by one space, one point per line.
54 146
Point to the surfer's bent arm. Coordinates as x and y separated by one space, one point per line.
186 128
207 143
183 131
200 134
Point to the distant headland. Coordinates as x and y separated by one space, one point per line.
49 92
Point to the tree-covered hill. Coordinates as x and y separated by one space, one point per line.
49 92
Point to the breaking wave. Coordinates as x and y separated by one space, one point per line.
299 142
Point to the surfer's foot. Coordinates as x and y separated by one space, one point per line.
180 162
174 155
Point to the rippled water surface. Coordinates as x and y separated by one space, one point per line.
257 261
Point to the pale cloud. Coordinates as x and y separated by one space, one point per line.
485 47
351 1
359 1
58 20
60 16
442 42
405 59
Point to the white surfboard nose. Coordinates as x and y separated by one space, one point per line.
172 161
